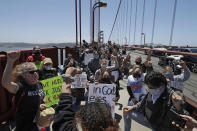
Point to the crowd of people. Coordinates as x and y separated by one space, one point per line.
155 98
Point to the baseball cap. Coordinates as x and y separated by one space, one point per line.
36 48
47 60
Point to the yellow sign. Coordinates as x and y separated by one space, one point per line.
52 89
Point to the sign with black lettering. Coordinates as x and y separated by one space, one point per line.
104 93
80 81
52 88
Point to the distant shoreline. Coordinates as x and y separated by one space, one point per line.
22 46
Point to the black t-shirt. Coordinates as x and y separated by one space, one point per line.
28 106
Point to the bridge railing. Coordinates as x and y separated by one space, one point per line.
166 51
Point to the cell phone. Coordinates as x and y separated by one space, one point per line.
174 116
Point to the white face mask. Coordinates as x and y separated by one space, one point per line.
48 67
156 93
103 66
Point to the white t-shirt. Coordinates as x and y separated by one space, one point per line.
137 86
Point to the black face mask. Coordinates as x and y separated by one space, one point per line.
177 71
37 54
105 80
138 63
136 75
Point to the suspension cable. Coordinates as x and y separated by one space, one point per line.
173 21
126 21
130 19
123 21
135 20
115 19
153 29
142 21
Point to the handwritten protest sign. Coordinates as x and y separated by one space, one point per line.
52 89
104 93
87 58
80 81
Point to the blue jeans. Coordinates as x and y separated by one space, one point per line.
137 116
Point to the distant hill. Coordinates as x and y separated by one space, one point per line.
31 45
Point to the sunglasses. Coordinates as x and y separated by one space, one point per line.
32 72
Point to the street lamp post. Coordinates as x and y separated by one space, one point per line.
98 4
144 37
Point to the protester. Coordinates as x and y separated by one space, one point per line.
69 62
23 83
93 66
104 67
126 66
91 117
124 54
47 70
158 103
81 57
36 57
106 78
176 80
137 91
147 65
78 93
116 74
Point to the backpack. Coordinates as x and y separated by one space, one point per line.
15 104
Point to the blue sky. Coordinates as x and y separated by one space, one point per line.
43 21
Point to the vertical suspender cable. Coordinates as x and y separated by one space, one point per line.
126 22
122 18
76 22
123 22
90 20
153 29
135 21
99 22
80 20
115 20
173 21
142 21
130 19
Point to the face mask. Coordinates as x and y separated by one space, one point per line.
156 93
103 66
177 70
48 67
105 80
136 75
96 57
37 54
138 63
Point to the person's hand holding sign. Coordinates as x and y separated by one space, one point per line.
68 79
66 88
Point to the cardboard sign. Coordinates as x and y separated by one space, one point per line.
104 93
52 89
87 58
80 81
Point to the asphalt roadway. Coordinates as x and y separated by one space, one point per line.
190 91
